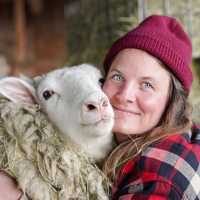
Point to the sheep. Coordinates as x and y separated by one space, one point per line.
68 101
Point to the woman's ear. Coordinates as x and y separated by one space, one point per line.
18 91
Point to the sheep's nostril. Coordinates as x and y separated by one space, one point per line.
104 102
91 107
96 106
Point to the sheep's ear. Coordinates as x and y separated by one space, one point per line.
18 90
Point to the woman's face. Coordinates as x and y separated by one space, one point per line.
138 89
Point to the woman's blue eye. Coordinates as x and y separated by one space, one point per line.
147 85
118 78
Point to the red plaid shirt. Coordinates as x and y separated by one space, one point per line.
166 170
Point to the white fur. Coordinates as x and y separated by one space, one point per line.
82 114
78 107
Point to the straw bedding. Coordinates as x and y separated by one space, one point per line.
43 163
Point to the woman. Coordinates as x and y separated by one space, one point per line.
148 82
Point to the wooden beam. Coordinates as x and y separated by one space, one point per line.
19 17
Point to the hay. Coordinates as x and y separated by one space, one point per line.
42 162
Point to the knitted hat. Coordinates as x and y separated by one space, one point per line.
164 38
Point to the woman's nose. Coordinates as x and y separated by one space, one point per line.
126 94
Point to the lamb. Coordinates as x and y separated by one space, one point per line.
47 165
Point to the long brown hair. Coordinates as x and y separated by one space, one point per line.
175 120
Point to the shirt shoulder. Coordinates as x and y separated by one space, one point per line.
173 162
176 161
172 152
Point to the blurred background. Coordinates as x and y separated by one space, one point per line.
37 36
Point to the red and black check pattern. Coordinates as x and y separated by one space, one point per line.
166 170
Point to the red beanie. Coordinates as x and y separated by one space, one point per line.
164 38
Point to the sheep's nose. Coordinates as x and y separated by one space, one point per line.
91 105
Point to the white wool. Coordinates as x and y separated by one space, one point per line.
48 165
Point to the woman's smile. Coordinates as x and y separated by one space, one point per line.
125 111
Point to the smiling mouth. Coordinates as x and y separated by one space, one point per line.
125 111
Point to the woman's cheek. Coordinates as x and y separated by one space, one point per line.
108 90
153 108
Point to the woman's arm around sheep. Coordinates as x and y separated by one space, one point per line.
8 188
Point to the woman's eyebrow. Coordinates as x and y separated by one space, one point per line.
116 70
149 78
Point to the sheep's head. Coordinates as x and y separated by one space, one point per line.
71 97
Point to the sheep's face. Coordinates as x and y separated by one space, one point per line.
74 101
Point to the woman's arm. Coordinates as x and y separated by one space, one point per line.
8 188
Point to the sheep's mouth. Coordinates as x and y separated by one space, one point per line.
98 122
102 121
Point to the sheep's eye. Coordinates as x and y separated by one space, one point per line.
47 94
101 81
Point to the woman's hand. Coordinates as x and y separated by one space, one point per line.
8 188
